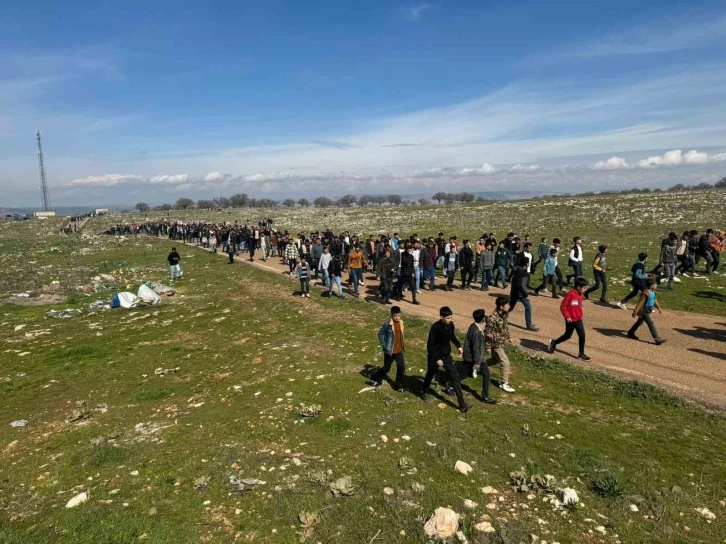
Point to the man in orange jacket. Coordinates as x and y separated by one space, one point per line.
571 309
356 263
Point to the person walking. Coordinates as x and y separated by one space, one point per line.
356 263
575 260
637 280
334 275
548 274
646 304
501 260
518 293
599 270
407 275
174 267
438 347
466 262
668 258
451 263
486 264
475 354
571 308
324 264
385 271
497 332
302 272
391 339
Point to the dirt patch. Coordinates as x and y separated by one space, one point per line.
41 300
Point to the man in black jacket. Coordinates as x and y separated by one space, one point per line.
407 278
438 347
475 353
520 279
466 261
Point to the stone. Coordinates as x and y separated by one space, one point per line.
569 496
634 508
78 499
484 527
152 511
388 491
443 524
462 468
676 489
469 504
488 490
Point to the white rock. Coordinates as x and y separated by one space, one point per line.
468 503
706 513
634 508
384 438
491 506
388 491
462 537
297 462
601 529
569 496
462 468
406 437
78 499
443 524
484 527
488 490
134 473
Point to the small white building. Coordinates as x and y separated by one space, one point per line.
101 211
44 214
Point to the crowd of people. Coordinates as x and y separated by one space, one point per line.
414 264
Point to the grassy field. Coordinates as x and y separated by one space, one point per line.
155 453
628 224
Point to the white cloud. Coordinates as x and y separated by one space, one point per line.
171 179
613 163
213 176
676 157
414 12
484 170
106 180
524 168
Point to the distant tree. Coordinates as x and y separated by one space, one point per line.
438 197
449 198
346 201
266 203
303 202
125 211
142 207
395 200
239 200
164 208
288 203
205 204
322 202
677 187
364 200
480 199
424 201
702 186
380 199
466 197
222 202
184 204
657 190
720 184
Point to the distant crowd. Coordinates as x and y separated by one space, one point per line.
414 264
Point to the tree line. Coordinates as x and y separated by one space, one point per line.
242 200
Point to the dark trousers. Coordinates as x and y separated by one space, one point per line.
638 286
486 376
558 273
648 321
548 279
570 327
466 275
386 368
601 280
386 289
231 257
576 271
450 275
404 281
304 286
451 370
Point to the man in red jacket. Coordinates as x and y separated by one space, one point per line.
571 309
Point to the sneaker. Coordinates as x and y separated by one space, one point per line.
307 295
533 329
685 275
631 336
464 408
506 387
416 302
302 295
551 347
602 300
361 282
374 383
427 398
621 306
555 296
659 341
488 401
583 357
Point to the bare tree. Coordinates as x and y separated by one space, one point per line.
346 201
378 200
438 197
395 200
288 203
142 207
364 200
322 202
303 202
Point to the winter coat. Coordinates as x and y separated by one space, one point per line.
407 267
386 268
299 271
356 259
386 337
466 257
447 261
571 306
502 257
486 260
475 345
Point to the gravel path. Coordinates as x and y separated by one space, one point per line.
691 364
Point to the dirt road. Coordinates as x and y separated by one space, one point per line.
691 364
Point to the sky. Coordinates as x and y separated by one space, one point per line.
152 101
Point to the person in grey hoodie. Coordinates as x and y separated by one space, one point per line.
486 265
475 353
316 251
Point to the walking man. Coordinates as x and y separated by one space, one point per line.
599 270
390 336
385 270
497 332
646 304
518 293
356 263
438 347
475 353
571 309
174 267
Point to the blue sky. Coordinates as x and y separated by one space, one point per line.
152 101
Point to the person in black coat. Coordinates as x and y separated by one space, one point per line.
438 347
407 278
520 279
466 262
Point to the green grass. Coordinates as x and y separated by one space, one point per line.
621 442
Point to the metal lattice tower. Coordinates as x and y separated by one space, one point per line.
43 179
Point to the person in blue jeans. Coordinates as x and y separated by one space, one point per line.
639 275
486 265
646 306
501 259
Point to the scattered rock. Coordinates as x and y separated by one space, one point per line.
469 504
462 468
484 527
443 524
706 513
342 487
676 490
78 499
388 491
568 496
634 508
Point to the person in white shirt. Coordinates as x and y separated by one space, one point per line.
416 253
575 261
324 263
